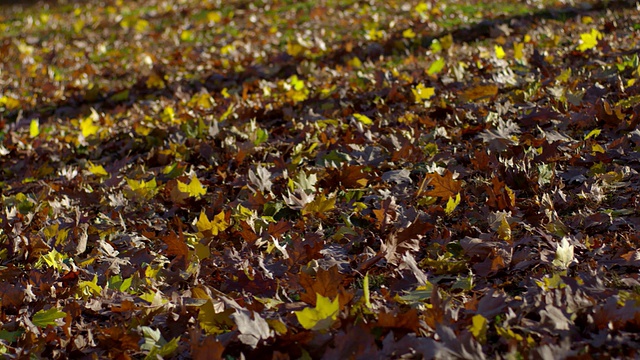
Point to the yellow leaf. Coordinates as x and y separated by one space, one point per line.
363 119
355 62
168 115
97 170
214 16
504 230
89 288
319 205
294 49
518 51
216 226
194 189
446 41
9 102
452 204
409 34
478 328
499 52
322 316
78 26
186 35
436 67
367 294
594 133
422 93
202 100
141 25
34 128
589 40
146 189
155 82
87 127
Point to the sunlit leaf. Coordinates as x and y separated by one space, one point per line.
408 34
43 318
87 126
452 203
478 328
34 128
217 225
97 170
193 189
499 52
363 119
319 205
422 93
320 317
589 40
436 66
564 254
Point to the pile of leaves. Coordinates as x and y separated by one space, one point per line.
337 179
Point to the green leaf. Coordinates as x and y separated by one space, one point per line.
43 318
436 66
322 316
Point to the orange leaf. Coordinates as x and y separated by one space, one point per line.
443 186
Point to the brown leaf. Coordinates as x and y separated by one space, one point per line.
208 349
327 283
479 92
408 320
443 186
177 247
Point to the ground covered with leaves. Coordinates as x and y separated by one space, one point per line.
325 179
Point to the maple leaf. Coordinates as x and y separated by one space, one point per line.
218 225
193 189
87 126
47 317
564 254
252 330
319 205
422 93
589 40
436 66
322 316
444 186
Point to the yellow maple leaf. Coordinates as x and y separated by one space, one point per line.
408 34
452 203
322 316
319 205
589 40
194 188
216 226
422 93
499 52
146 189
478 328
87 127
97 170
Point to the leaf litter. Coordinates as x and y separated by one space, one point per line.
339 180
